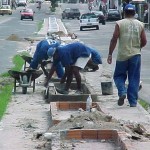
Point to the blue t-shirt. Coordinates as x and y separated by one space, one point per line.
41 52
69 54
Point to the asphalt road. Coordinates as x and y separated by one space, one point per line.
100 40
11 24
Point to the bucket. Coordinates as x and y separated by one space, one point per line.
107 88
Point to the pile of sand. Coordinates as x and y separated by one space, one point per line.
88 120
14 37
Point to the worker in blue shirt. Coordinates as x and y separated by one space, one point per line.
41 55
73 57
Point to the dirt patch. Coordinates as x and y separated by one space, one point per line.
14 37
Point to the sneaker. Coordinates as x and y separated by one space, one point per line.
62 91
78 92
121 100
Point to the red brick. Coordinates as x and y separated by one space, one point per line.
105 134
74 134
74 105
63 106
89 134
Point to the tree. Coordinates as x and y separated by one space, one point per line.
54 4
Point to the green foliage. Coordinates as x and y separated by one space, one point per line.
52 9
54 4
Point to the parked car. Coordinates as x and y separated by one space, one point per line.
27 13
101 16
71 13
113 14
89 20
5 10
22 3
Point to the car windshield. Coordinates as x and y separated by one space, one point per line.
74 10
67 10
5 7
98 12
88 16
26 10
113 11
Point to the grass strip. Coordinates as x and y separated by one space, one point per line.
145 105
40 25
6 85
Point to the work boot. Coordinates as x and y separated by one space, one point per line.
62 91
121 100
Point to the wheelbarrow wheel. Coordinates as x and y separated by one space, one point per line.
25 81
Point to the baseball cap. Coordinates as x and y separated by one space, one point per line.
129 7
51 52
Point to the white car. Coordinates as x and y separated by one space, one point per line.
89 20
5 9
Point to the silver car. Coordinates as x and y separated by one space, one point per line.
89 20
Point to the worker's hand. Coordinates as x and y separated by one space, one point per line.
109 59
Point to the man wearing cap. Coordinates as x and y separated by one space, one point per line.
41 54
131 39
74 57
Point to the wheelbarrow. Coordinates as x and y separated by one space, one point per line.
27 59
25 79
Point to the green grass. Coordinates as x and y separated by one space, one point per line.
145 105
6 88
5 97
40 25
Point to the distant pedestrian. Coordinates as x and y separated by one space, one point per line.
146 16
131 35
73 57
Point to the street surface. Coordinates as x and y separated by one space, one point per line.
11 24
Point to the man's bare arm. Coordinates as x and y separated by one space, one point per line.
52 70
113 43
143 38
114 39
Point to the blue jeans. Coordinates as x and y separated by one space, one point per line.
128 69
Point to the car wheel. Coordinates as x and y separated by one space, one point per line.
81 28
78 18
21 18
97 27
32 18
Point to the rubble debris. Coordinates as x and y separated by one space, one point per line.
59 33
89 120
